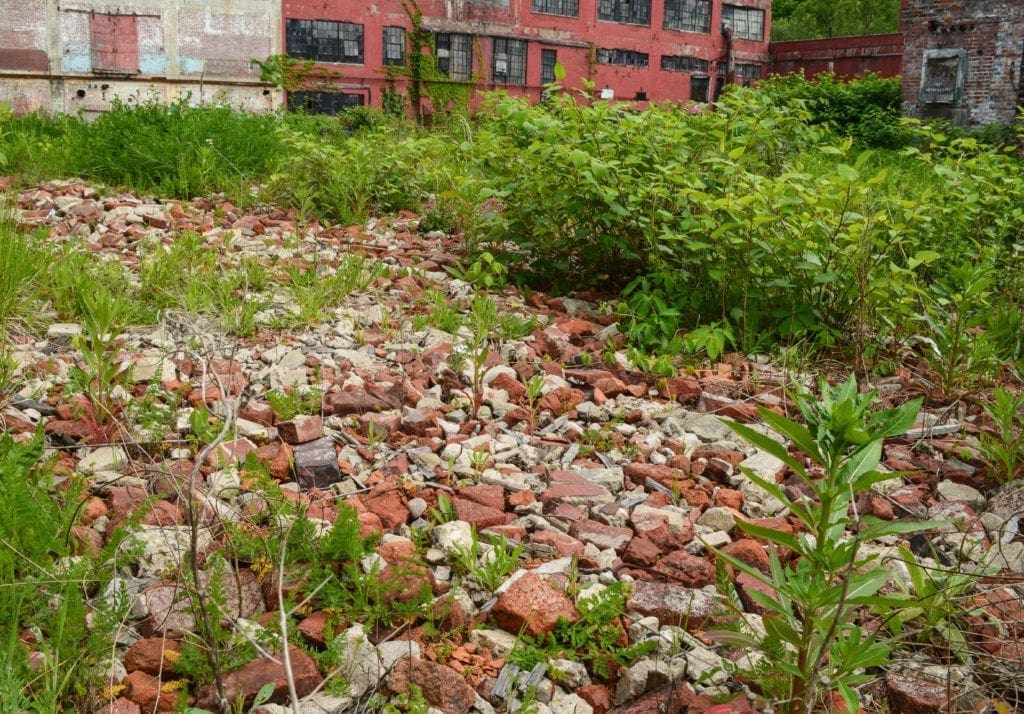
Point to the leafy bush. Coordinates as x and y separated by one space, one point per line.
866 108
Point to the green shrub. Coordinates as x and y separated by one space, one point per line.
866 108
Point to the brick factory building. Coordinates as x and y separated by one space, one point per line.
78 55
963 60
637 50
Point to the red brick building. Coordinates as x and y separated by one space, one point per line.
963 60
637 50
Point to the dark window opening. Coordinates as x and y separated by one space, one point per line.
641 96
331 103
681 63
569 8
747 23
325 40
454 54
699 87
548 59
509 61
747 71
688 15
394 46
632 12
623 58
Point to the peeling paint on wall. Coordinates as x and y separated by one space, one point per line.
173 42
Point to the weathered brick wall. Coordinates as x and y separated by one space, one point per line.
990 34
78 55
846 57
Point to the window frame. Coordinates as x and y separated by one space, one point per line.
678 11
623 58
390 42
561 8
744 75
694 65
512 58
547 70
742 29
612 11
706 81
457 62
326 41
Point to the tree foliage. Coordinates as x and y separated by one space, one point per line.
804 19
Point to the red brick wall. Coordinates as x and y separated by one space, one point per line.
991 32
571 37
846 57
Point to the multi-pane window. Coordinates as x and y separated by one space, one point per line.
747 23
681 63
394 46
623 58
688 15
325 40
509 61
748 71
699 87
323 102
569 8
633 12
454 55
548 59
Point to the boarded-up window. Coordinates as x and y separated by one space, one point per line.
114 43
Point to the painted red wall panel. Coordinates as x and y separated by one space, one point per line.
114 43
846 57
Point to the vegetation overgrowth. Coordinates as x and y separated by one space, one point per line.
799 212
799 217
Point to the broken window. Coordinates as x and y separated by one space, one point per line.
699 87
682 63
623 58
548 59
748 72
747 23
325 40
114 43
394 46
331 103
633 12
569 8
454 54
688 15
509 61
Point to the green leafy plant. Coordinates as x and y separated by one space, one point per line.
593 640
489 569
292 402
98 346
957 351
935 611
485 273
811 613
1003 448
482 320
